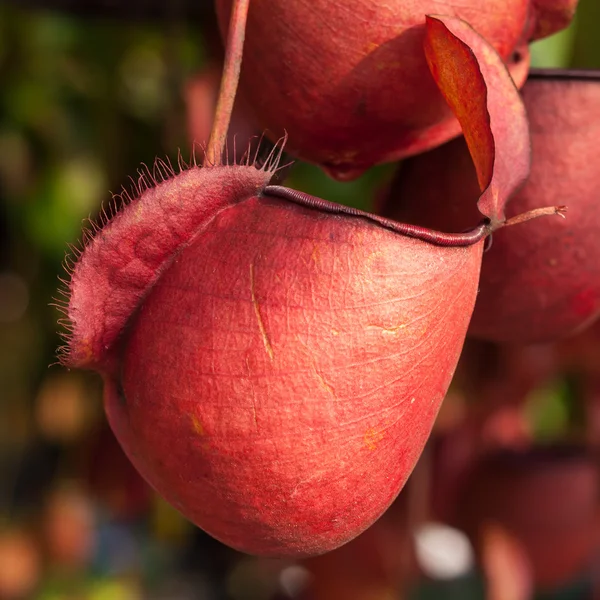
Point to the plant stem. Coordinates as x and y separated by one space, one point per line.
229 81
534 214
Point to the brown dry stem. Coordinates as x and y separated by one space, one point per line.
535 213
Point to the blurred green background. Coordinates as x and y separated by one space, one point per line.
83 101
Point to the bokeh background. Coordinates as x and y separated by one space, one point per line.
88 92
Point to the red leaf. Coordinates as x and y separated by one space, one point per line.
480 91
